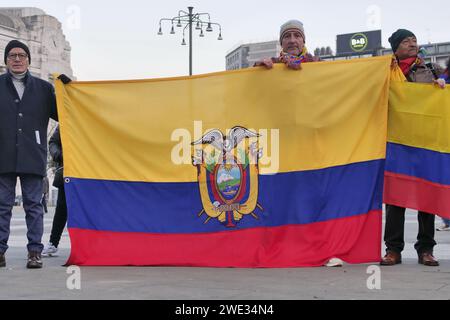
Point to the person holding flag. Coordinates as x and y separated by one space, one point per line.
294 52
411 62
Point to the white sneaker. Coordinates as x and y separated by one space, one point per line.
50 250
334 262
444 227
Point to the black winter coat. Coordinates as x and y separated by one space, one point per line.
23 125
55 148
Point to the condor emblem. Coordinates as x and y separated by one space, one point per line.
228 175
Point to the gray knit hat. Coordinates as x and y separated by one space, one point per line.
292 25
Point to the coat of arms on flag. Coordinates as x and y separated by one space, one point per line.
228 175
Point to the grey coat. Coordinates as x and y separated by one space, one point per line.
423 74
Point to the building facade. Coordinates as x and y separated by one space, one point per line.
245 55
49 49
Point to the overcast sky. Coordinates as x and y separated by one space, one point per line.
118 39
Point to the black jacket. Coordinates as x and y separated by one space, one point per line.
55 148
23 125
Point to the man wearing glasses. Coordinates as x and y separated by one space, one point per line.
26 104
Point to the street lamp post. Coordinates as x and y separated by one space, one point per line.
187 19
190 39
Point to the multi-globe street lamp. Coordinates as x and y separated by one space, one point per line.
188 19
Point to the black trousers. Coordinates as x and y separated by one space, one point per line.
395 228
60 218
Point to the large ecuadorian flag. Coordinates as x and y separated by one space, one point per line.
249 168
418 161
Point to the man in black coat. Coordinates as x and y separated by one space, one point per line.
26 104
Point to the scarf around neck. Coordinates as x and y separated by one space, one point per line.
407 64
292 60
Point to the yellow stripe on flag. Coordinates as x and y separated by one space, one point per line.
419 116
327 114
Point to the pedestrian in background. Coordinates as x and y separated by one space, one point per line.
445 222
446 75
45 191
60 218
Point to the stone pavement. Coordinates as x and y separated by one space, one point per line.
407 281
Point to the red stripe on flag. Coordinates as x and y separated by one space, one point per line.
414 193
354 239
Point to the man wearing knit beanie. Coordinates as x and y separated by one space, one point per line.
14 44
292 25
404 45
398 36
26 104
294 53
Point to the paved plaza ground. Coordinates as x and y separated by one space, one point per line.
407 281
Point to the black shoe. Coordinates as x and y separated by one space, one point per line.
34 260
2 260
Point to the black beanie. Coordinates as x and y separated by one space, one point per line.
397 38
17 44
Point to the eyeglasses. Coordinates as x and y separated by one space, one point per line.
14 56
